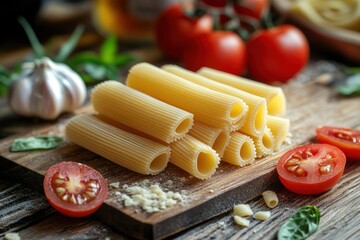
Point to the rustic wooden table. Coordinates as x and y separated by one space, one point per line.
24 210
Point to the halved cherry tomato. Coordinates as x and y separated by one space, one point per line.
173 30
312 168
74 189
347 139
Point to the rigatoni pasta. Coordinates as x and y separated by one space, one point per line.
136 153
140 111
216 138
279 127
242 210
215 109
264 144
194 156
240 151
270 198
274 96
255 120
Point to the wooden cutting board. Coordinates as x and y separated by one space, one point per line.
309 105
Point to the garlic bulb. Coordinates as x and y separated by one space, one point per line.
46 89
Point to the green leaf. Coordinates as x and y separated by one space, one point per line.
35 143
83 58
109 49
351 86
123 59
69 45
301 224
35 43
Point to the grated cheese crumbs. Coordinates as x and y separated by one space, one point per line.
150 197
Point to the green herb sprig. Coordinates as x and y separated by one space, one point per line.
94 67
301 224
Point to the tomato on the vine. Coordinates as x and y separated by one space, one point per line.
347 139
277 54
311 169
174 29
74 189
221 50
251 8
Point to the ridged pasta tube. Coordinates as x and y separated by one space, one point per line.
240 151
213 108
194 156
140 111
279 127
255 120
264 144
133 152
216 138
276 102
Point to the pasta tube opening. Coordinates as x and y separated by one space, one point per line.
246 151
265 143
240 151
184 126
236 111
221 142
159 162
260 119
205 162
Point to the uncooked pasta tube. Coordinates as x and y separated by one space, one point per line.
255 120
216 138
194 156
211 107
279 127
274 95
240 151
140 111
136 153
264 144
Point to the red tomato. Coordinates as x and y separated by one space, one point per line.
215 3
221 50
74 189
311 169
251 8
173 30
348 140
275 55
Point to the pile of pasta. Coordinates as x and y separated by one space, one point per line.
191 119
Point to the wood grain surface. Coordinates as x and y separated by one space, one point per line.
310 105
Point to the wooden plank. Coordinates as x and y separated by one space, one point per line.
309 106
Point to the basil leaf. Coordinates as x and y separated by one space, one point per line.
123 59
35 143
301 224
351 86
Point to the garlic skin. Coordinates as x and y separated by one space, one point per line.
46 89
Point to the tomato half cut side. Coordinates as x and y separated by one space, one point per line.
311 169
74 189
347 139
